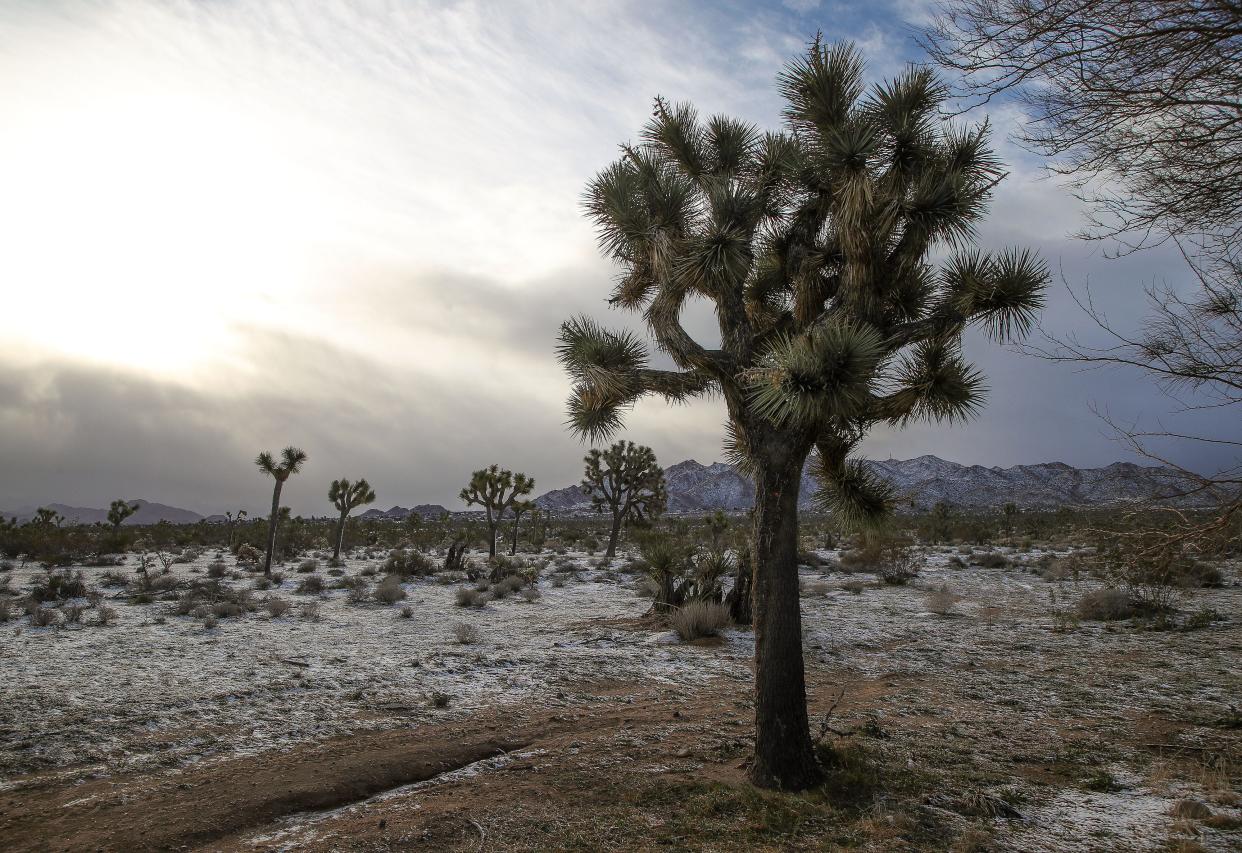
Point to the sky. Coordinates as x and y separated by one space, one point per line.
234 225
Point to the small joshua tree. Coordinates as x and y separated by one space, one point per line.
118 512
496 490
519 508
347 497
814 247
231 521
291 460
627 481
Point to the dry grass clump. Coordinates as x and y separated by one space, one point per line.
43 617
854 587
468 597
699 618
990 560
530 594
216 569
311 611
1105 605
390 590
307 566
105 615
816 588
465 634
277 606
940 600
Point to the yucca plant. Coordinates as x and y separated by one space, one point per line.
347 497
812 244
291 461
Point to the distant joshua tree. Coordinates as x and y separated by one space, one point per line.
813 246
231 521
519 508
118 512
291 460
346 497
627 481
496 490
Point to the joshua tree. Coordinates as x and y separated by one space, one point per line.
496 490
118 512
813 246
291 459
346 497
519 508
232 521
626 480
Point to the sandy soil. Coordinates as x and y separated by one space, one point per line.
574 724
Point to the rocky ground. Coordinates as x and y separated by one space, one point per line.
977 717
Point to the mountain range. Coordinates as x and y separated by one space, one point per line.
694 487
146 513
920 483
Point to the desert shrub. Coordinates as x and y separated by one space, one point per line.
59 586
815 588
810 558
43 617
73 613
217 569
465 633
276 606
389 590
105 615
956 562
210 621
1060 568
558 581
188 555
407 612
248 555
113 579
1105 605
699 618
991 560
854 587
369 571
530 594
408 562
163 584
941 600
227 609
6 610
307 566
310 611
262 582
439 700
311 585
97 561
468 597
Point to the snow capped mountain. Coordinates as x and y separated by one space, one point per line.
921 482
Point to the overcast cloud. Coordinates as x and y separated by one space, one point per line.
232 226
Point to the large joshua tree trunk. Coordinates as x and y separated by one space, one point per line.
784 756
340 536
614 534
271 528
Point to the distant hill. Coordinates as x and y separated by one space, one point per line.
399 513
147 513
922 482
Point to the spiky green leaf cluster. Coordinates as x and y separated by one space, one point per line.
813 245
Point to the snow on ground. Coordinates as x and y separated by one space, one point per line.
1002 690
158 689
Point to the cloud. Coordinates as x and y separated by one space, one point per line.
356 228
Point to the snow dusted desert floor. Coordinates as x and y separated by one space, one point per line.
993 722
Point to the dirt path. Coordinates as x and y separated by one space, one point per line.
201 804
